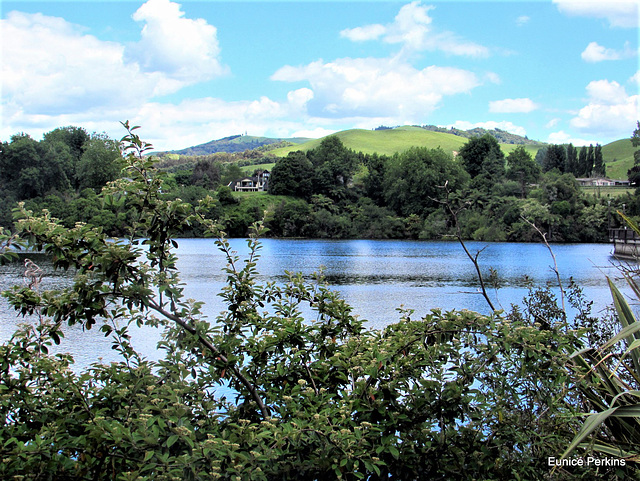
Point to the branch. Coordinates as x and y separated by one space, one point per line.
553 256
207 343
458 235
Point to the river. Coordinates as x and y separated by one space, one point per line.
376 277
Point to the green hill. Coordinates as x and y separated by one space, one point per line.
390 141
618 158
235 143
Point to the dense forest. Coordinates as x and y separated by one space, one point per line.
331 191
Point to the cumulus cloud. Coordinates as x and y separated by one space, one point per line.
597 53
511 106
522 20
490 125
609 110
52 66
316 133
619 13
552 123
55 73
364 87
412 28
178 47
562 137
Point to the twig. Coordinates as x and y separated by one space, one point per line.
553 256
458 235
206 343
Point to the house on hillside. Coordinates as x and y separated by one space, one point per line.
257 183
601 182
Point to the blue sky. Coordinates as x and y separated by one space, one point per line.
189 72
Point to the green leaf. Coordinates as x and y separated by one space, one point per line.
172 440
590 425
394 452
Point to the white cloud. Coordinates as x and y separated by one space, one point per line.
610 110
55 73
362 34
522 20
552 123
377 87
51 66
561 137
597 53
490 125
636 78
178 47
509 106
619 13
316 133
412 28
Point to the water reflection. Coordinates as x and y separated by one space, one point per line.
375 277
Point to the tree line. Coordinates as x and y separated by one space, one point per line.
331 191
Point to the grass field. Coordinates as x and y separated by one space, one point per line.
249 169
608 191
388 142
618 158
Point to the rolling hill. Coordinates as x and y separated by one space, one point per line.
234 143
618 158
390 141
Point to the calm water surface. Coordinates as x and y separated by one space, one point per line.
376 277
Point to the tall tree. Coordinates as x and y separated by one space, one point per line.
292 175
479 150
414 179
334 165
571 165
101 162
522 168
590 161
598 162
555 158
583 168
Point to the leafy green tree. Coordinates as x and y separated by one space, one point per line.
292 175
590 160
522 168
206 174
334 166
414 180
583 162
572 165
483 155
555 158
599 168
100 163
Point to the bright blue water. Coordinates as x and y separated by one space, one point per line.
376 277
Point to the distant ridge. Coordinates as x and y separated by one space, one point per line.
236 143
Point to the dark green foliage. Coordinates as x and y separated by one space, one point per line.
482 155
206 174
292 175
334 166
100 163
414 180
555 158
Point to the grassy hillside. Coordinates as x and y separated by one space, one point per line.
618 158
235 143
390 141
